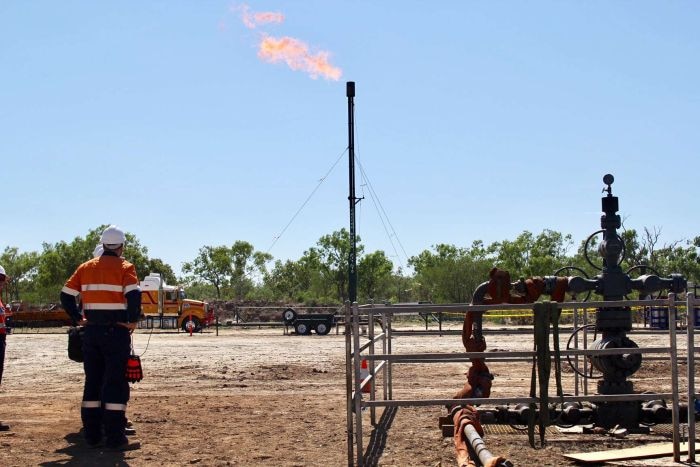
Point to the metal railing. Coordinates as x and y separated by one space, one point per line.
380 364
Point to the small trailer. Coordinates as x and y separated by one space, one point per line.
321 323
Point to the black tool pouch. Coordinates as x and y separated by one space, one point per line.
75 343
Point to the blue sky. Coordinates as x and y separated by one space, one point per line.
474 120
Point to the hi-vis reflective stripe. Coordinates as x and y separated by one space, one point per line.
91 404
131 287
70 291
104 306
113 406
104 287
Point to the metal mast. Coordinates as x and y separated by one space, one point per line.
352 259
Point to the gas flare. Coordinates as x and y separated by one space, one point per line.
295 53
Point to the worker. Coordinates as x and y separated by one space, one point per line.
3 335
129 430
111 301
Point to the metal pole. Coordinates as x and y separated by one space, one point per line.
373 387
389 367
358 380
348 382
586 361
385 328
674 376
352 260
577 377
691 376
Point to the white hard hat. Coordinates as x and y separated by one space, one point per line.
2 271
113 236
97 252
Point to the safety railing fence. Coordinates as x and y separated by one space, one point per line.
361 348
646 319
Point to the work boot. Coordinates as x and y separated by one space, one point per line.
4 427
129 430
93 435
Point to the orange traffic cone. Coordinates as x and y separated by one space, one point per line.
364 373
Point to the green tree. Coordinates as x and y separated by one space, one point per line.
450 274
228 268
402 288
246 264
20 268
212 265
528 255
57 262
374 275
298 281
680 258
334 254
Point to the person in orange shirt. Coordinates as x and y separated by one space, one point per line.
3 335
111 302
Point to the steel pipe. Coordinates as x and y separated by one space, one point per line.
479 447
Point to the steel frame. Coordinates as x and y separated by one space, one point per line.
382 315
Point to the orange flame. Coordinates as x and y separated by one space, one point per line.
296 55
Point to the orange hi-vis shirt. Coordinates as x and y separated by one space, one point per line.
102 284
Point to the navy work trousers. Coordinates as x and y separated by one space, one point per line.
106 349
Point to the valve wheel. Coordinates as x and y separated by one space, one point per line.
573 296
595 266
573 364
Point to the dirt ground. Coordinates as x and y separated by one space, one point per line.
254 396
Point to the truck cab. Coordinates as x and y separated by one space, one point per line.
163 301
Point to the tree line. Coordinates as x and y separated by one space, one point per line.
445 273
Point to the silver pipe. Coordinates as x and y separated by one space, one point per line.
517 400
586 362
477 443
348 382
372 388
577 376
357 399
464 307
691 376
675 411
384 350
389 337
525 354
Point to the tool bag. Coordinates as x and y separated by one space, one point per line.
134 371
75 343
